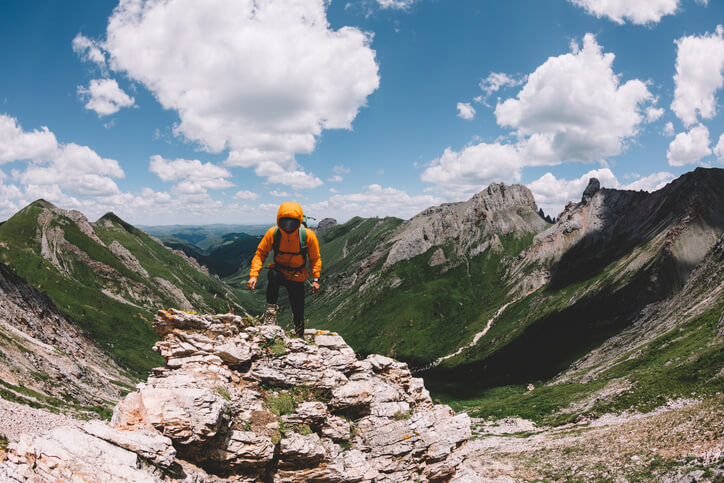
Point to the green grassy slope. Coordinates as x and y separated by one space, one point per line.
88 268
409 310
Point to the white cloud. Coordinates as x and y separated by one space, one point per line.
281 194
89 51
194 176
552 193
466 111
263 79
341 169
669 129
72 167
105 97
689 147
653 114
574 108
650 183
699 75
398 4
335 179
461 174
636 11
498 80
719 149
17 144
246 195
374 200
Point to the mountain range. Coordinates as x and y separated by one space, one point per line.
616 305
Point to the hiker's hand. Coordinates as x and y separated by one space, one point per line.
315 287
251 283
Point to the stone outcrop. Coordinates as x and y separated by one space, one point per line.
497 210
240 402
326 224
676 226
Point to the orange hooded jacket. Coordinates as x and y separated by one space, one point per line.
289 243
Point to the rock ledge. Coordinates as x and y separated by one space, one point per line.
239 402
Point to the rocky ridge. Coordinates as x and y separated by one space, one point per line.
42 351
239 402
473 225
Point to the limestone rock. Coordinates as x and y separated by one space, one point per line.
296 449
326 224
148 444
238 402
593 186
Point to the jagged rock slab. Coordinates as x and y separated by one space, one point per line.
238 402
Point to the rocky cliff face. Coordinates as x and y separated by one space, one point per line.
46 360
675 227
238 402
472 226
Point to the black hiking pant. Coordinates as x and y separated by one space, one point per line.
296 297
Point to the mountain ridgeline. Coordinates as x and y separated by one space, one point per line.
486 294
108 277
618 304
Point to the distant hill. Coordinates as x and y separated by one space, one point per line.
108 276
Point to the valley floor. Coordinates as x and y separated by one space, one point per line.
683 441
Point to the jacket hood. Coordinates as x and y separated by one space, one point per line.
290 209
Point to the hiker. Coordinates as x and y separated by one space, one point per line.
292 243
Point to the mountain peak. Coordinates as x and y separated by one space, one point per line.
41 203
114 219
593 187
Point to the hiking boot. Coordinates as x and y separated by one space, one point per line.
299 329
270 316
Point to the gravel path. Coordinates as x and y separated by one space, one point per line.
16 419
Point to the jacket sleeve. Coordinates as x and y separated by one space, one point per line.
265 246
315 259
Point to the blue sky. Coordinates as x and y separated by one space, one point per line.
181 111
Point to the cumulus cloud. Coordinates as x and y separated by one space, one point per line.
89 51
105 97
638 11
193 176
374 200
77 169
397 4
669 129
689 147
461 173
653 114
495 82
246 195
574 108
719 149
265 84
281 194
335 179
699 75
466 111
553 193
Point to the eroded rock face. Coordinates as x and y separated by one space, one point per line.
238 402
498 209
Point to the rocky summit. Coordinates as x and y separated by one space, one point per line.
243 402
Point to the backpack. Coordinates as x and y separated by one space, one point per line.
302 248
